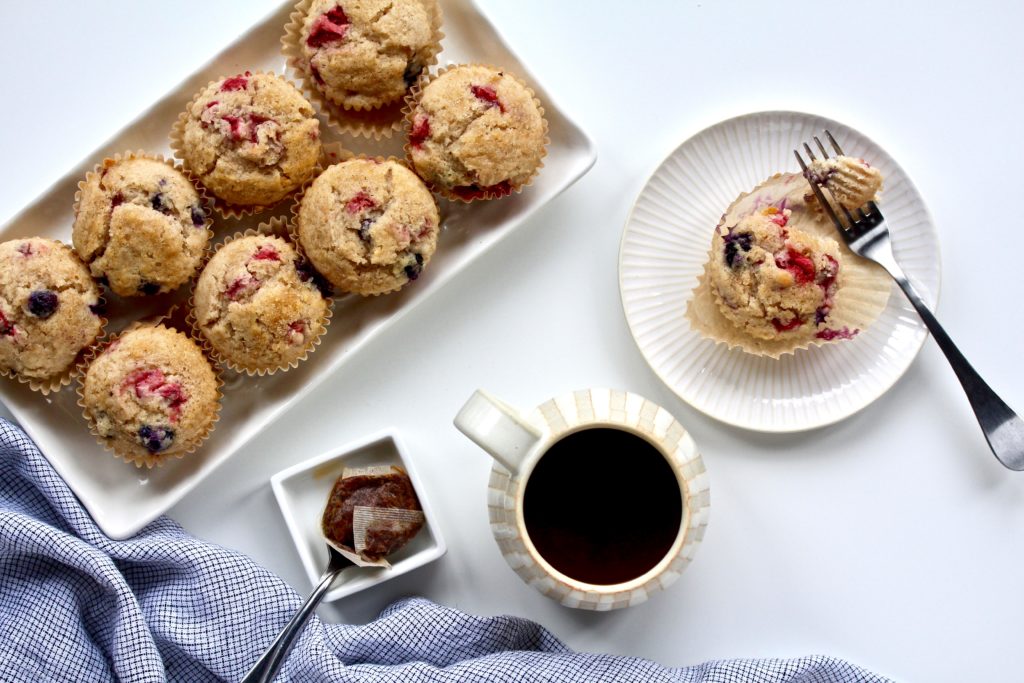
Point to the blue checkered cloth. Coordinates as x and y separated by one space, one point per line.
78 606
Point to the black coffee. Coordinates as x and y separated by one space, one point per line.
603 506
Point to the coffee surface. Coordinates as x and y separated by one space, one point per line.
603 506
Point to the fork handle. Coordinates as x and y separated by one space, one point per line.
1003 429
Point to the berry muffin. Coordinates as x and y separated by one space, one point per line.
476 132
150 395
851 182
257 307
251 139
771 281
49 311
363 54
369 226
140 225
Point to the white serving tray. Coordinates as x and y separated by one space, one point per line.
121 498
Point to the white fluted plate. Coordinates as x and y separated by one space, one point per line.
665 246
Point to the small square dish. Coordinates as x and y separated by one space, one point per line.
302 491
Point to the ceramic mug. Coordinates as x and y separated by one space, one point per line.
518 441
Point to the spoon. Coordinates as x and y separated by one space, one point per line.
267 666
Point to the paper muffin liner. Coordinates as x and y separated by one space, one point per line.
293 224
56 382
276 227
204 197
177 141
374 122
411 103
861 297
148 460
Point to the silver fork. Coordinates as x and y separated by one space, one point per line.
867 235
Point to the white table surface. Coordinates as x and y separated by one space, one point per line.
893 539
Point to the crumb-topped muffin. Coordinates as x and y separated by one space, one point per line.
771 281
151 395
362 54
251 139
255 305
476 132
852 182
140 225
49 308
369 226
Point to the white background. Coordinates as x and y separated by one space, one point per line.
893 539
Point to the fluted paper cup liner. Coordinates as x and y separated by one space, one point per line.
59 380
863 291
224 208
205 200
378 121
148 460
277 228
412 101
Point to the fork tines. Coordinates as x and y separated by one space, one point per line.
815 182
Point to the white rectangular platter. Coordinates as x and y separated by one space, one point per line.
121 498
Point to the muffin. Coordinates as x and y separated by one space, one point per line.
140 225
369 226
771 281
363 54
476 132
49 310
851 182
151 395
256 307
251 139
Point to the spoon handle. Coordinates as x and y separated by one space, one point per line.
267 666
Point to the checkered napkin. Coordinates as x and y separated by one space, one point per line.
77 606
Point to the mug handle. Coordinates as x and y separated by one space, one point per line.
497 428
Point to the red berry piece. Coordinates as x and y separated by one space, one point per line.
799 265
361 202
240 286
266 253
117 200
476 192
844 333
237 83
488 95
329 27
420 130
7 328
25 249
785 327
297 332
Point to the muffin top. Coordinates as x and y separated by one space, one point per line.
151 394
251 139
48 307
476 131
366 53
140 225
255 306
369 226
773 282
